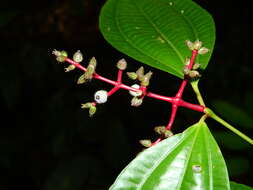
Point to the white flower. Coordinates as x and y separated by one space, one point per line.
100 96
135 93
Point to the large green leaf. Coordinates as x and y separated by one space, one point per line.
154 31
237 186
188 161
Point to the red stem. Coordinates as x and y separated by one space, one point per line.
160 97
112 91
181 89
172 116
156 142
192 60
119 79
175 101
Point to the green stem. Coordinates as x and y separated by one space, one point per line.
197 92
227 125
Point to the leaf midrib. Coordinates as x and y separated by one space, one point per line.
136 47
160 32
189 157
158 162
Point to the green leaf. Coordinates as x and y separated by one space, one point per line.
190 160
237 186
154 31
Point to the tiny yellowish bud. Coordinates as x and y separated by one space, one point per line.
64 54
146 143
136 102
78 57
140 73
194 74
56 52
100 96
197 45
133 93
86 105
81 79
203 50
160 130
186 70
132 75
196 66
189 44
60 55
90 69
92 110
146 79
69 68
60 59
89 72
93 62
168 134
122 64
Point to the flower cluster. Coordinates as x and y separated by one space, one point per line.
138 90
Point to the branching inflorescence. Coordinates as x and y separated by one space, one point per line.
138 91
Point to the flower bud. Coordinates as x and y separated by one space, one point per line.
160 130
186 70
168 134
146 79
132 75
136 102
189 44
196 66
86 105
147 143
122 64
101 96
56 52
90 69
203 50
89 72
135 93
70 68
93 62
81 79
194 74
78 57
92 110
60 55
140 73
197 45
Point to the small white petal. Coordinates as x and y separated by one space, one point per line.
100 96
135 93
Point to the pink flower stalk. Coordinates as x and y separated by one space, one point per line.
175 101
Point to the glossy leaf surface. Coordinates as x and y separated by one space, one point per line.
237 186
190 160
154 31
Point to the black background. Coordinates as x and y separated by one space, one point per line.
48 142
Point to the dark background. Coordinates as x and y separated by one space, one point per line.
48 143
